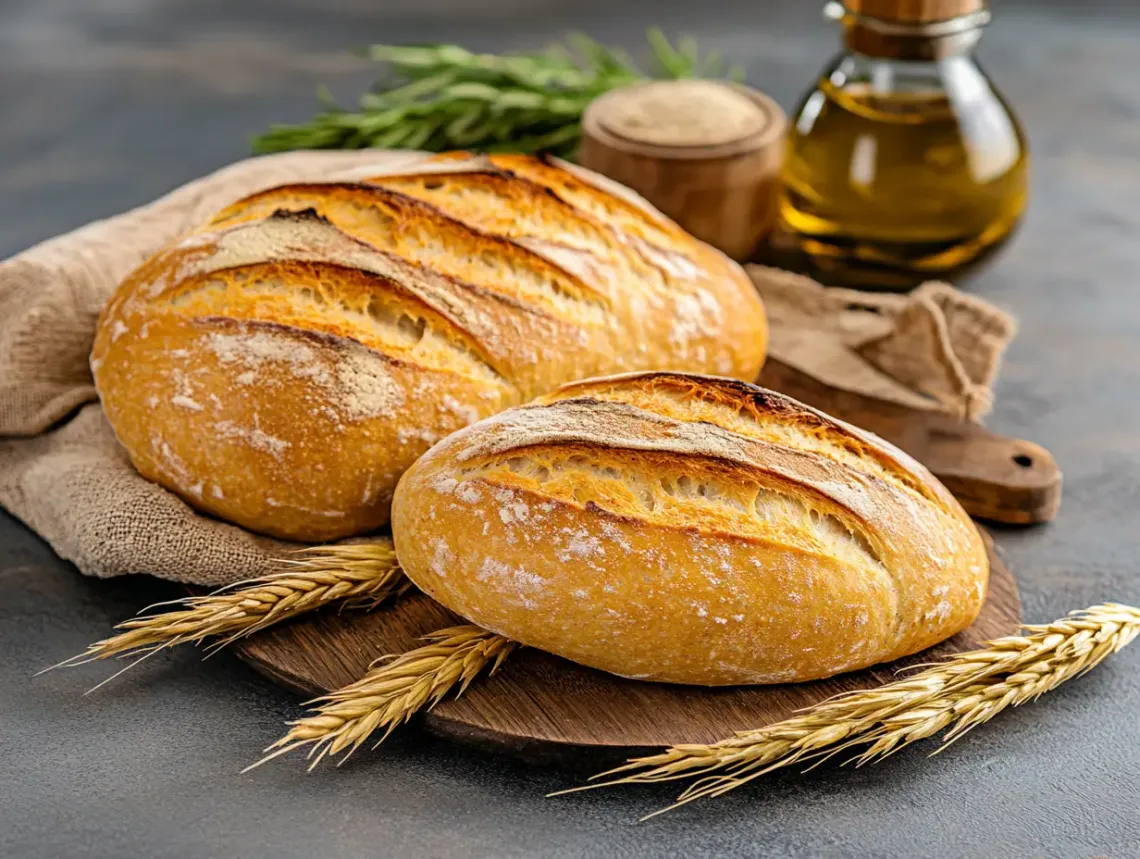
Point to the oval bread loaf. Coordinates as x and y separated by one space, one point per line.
283 365
691 530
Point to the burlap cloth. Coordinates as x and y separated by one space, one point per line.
63 473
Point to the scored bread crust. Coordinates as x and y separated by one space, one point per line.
691 530
283 364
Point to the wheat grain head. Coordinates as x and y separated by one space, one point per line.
353 576
959 693
392 692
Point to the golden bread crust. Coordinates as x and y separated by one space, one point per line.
689 530
233 364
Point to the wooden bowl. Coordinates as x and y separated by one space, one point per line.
707 154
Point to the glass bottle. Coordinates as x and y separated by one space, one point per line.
904 164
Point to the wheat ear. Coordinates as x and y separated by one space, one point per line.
354 576
960 693
392 691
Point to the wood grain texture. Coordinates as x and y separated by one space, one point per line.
541 707
995 478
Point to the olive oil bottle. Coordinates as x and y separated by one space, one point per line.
904 164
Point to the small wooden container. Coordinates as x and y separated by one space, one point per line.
708 154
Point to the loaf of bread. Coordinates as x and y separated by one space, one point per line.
691 530
283 365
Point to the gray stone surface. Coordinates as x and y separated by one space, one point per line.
107 103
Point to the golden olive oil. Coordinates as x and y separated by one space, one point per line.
900 171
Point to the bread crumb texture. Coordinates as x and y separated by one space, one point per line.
312 340
691 530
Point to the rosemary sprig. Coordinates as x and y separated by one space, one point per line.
441 97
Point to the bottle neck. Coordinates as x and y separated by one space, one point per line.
912 42
872 43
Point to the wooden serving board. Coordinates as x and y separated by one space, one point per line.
542 707
995 478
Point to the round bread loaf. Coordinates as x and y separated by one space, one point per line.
690 530
283 365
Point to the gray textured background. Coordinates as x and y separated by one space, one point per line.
106 103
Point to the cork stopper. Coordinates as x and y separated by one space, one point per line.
915 11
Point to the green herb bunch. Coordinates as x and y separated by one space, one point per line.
442 97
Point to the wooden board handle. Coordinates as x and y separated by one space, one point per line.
996 478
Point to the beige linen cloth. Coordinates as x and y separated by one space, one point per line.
64 475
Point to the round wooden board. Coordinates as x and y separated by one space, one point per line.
542 707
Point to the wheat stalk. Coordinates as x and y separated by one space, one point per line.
392 692
355 576
1086 643
960 693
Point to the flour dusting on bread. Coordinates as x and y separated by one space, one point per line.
355 381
